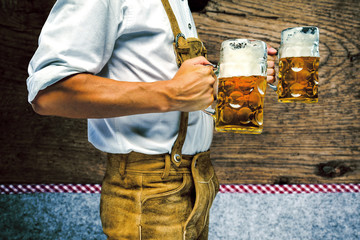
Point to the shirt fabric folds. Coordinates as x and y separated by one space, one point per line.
125 40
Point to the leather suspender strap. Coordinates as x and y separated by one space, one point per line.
174 25
179 142
184 48
184 117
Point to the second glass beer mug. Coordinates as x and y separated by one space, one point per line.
242 84
298 65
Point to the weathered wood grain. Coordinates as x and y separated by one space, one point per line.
301 143
317 143
36 149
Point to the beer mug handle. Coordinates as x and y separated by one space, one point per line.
273 87
211 109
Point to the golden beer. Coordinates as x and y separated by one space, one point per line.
298 79
299 65
242 73
240 104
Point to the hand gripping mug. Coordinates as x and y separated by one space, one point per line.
241 88
298 65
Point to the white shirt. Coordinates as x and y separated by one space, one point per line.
125 40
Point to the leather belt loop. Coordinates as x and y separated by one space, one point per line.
167 166
122 166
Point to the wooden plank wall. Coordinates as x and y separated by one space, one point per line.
301 143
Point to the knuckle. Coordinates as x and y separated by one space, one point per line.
207 69
271 64
270 70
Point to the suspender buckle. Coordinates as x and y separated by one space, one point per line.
177 39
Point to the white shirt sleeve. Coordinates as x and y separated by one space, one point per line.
78 36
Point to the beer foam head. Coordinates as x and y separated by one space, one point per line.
299 42
243 57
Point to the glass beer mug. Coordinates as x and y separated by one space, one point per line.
241 73
298 65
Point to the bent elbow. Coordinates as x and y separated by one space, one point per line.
41 105
38 107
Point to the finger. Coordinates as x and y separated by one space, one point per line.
270 79
271 72
270 64
198 60
271 50
271 57
271 75
206 69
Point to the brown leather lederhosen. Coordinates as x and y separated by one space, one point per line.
165 196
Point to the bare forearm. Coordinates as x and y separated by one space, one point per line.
89 96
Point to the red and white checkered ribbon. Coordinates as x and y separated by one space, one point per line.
49 188
290 189
248 188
